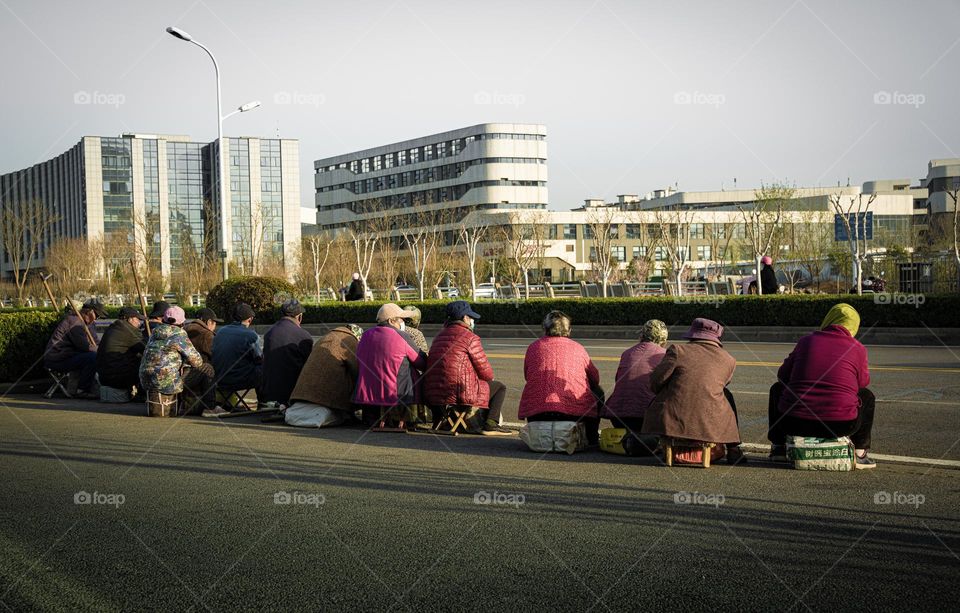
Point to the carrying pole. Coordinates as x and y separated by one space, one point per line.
143 300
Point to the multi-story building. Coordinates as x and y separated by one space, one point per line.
158 193
492 166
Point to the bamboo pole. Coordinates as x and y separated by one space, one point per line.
86 328
46 286
143 300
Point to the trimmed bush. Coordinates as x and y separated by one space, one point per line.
23 337
263 294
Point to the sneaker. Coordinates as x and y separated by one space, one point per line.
778 453
864 463
735 456
494 429
216 411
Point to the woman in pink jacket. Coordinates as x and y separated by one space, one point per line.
632 395
562 383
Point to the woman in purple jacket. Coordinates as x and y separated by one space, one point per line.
822 388
632 395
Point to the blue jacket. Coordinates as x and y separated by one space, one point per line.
236 356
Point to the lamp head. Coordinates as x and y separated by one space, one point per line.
178 33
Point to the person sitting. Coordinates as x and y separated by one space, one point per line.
562 382
167 352
201 332
286 347
71 350
388 365
632 395
327 379
356 291
458 372
155 316
199 382
821 389
120 351
412 329
692 401
237 355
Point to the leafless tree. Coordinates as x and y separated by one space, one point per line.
366 235
953 194
422 236
471 236
602 223
523 237
675 235
73 264
314 252
812 242
24 227
762 220
853 217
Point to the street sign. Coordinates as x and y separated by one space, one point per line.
864 226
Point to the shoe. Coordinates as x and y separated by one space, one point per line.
735 456
863 462
494 429
87 395
216 411
778 453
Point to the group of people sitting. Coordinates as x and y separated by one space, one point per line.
680 391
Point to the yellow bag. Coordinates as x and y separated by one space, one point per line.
611 440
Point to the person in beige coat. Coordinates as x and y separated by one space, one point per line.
692 400
328 376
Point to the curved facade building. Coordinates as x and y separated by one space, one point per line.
486 166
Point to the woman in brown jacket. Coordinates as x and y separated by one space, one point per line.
330 373
692 400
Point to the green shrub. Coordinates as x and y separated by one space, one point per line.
23 337
263 294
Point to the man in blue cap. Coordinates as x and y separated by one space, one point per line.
458 372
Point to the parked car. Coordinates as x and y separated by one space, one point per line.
486 290
449 292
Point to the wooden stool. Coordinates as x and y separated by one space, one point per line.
241 394
384 415
669 443
454 415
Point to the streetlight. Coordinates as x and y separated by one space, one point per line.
221 165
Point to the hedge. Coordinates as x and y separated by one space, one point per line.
23 337
263 294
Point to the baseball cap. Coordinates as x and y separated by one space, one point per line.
206 314
128 312
391 311
174 315
458 308
291 308
96 306
159 308
243 311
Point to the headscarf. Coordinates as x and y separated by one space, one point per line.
414 321
654 331
842 315
355 330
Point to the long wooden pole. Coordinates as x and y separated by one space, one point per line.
86 328
143 300
46 286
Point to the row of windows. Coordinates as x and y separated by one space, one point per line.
430 196
415 155
424 175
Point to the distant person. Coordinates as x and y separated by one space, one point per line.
237 355
120 351
458 372
328 378
166 354
286 347
821 388
70 350
768 276
389 366
562 382
632 395
412 329
356 291
692 401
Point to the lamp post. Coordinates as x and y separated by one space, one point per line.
221 162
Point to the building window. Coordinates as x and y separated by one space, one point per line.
552 232
639 252
569 231
587 231
633 230
569 248
660 254
619 252
703 252
696 230
614 230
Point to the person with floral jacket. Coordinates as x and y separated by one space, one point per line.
167 350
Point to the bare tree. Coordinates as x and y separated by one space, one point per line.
762 220
421 235
853 217
812 242
314 252
24 227
73 264
366 237
523 237
675 235
602 222
952 194
718 240
471 236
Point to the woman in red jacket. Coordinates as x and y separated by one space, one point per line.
562 383
822 388
458 372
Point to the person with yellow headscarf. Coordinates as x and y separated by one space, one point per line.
821 388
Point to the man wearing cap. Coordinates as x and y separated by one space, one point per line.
388 363
458 372
692 400
237 356
199 382
120 351
155 317
286 347
166 353
70 350
201 331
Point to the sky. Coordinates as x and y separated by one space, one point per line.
635 95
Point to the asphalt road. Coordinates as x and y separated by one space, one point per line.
184 515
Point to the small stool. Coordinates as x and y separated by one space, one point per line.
669 443
58 383
455 416
381 425
241 402
161 405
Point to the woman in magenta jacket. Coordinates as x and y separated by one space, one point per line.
822 388
632 395
562 383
